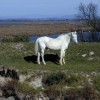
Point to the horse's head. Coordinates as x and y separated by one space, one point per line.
74 37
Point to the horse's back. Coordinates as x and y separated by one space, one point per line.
43 39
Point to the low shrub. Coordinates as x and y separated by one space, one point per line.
89 93
16 38
96 82
7 39
74 79
54 78
62 78
55 91
21 87
20 38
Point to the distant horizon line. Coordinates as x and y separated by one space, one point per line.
36 19
71 16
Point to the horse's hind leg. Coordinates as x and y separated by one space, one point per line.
42 55
38 58
63 59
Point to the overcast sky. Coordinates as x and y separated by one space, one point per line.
41 8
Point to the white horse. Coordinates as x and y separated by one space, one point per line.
60 43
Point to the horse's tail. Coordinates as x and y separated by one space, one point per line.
36 47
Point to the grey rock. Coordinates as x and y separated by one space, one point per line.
10 98
3 98
1 93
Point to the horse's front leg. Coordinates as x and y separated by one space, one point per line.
60 61
62 56
64 60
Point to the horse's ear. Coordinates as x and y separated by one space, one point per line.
73 33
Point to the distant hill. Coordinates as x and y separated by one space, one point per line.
64 17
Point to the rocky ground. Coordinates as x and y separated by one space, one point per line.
9 91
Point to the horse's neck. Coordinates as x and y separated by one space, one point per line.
68 37
60 37
65 37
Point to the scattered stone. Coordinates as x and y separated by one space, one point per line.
68 87
42 96
2 98
98 58
37 82
1 93
84 55
4 80
20 95
19 46
29 97
22 78
80 87
90 58
91 53
10 98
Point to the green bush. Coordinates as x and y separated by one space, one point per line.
21 87
20 38
7 39
89 93
61 78
55 92
16 38
74 80
97 82
54 78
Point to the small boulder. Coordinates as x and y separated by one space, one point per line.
91 53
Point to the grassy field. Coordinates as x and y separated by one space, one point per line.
21 56
82 60
82 69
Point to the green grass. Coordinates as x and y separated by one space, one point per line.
96 82
13 54
21 87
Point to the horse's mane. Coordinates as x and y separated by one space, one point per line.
62 35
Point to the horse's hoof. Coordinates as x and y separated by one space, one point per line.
61 64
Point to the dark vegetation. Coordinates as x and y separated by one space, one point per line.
55 87
16 38
7 72
89 14
54 79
